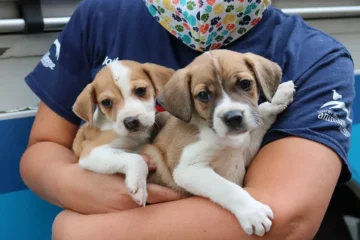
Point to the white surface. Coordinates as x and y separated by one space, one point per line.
56 8
14 93
8 10
347 31
22 56
313 3
50 8
7 116
20 46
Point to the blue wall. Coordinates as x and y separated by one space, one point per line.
24 216
354 153
13 142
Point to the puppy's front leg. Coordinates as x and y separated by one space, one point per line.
201 180
108 160
283 97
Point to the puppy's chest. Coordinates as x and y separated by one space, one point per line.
230 164
128 144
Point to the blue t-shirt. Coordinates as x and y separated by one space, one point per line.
101 31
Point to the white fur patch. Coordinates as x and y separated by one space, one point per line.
121 75
205 146
107 160
226 105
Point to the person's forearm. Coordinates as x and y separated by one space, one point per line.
50 170
40 169
193 218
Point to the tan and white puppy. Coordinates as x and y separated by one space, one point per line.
217 128
124 93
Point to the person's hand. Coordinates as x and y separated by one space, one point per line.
87 192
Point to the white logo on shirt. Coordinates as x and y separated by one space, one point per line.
57 46
330 116
46 60
108 60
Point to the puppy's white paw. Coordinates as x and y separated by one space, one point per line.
91 163
84 163
254 217
284 95
136 187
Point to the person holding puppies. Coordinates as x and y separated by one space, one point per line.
302 158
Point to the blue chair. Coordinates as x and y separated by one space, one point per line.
23 215
354 153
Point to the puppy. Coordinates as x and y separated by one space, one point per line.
216 129
109 142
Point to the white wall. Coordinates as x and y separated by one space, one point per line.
24 52
345 30
49 8
313 3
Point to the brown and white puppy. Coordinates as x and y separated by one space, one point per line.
217 128
124 93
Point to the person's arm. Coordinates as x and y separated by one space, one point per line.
296 177
49 168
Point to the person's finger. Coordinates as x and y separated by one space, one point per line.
159 194
148 161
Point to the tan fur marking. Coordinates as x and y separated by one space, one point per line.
88 138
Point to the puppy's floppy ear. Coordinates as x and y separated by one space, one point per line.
268 74
158 75
84 104
176 96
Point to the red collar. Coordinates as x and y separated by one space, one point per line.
159 108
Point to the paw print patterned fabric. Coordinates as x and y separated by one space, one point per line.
207 24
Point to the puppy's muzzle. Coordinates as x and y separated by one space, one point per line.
233 120
132 124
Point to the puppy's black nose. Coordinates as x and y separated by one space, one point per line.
132 124
233 119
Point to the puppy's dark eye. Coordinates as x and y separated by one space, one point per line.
203 96
106 103
141 91
244 84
